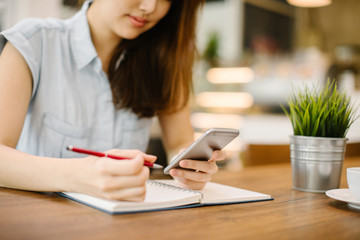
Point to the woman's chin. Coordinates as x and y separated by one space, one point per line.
130 35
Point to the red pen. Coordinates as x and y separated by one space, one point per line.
100 154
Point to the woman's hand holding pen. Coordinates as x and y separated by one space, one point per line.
201 171
113 179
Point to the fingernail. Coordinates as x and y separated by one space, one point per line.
183 164
173 172
149 156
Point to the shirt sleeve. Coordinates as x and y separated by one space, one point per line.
26 37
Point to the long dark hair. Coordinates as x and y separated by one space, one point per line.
156 73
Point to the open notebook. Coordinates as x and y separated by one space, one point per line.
167 194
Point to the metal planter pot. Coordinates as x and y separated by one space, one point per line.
316 162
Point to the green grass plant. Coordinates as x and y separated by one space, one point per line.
324 112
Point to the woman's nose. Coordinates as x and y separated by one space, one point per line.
148 6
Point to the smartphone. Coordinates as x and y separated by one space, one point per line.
202 148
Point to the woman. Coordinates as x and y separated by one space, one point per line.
95 81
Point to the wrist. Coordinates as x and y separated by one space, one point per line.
73 174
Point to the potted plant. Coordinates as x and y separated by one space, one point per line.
210 54
320 119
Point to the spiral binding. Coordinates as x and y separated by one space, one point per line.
165 185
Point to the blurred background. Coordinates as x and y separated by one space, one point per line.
252 53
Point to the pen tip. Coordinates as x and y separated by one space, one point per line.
157 166
70 147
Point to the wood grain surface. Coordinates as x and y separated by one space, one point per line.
291 215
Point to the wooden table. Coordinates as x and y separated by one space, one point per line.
292 215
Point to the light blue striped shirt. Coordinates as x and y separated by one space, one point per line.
71 101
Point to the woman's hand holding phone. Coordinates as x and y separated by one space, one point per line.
194 166
194 174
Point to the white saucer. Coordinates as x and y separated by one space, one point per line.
344 194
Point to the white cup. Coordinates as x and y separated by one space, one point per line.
353 179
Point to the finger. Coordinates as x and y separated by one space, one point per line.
190 183
127 194
191 175
113 183
203 166
218 155
126 153
108 166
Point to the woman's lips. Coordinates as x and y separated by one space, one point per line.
137 21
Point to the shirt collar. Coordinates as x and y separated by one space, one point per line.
82 45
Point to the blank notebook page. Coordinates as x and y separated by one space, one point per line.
219 193
158 195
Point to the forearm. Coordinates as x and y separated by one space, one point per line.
23 171
177 132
